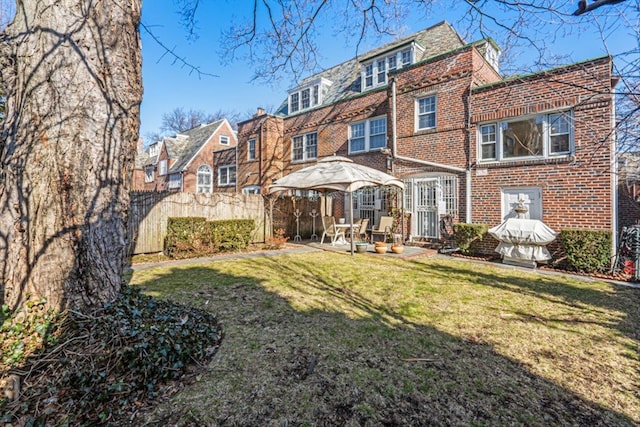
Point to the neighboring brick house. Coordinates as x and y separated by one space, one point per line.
629 188
435 112
185 162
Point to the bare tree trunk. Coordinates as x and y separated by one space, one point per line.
72 69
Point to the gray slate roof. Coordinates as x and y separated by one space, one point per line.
345 77
184 146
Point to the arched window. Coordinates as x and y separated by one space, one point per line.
204 179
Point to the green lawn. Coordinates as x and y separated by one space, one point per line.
329 339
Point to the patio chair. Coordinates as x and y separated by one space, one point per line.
362 230
329 225
384 228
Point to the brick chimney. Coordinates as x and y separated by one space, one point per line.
259 112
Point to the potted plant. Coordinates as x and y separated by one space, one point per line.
396 246
380 247
361 247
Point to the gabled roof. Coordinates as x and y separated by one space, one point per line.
144 157
345 77
185 146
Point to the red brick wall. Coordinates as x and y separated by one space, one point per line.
205 157
576 191
268 133
223 158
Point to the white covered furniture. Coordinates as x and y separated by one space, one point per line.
522 241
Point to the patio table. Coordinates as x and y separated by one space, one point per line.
347 227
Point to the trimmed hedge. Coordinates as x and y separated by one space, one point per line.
466 234
588 251
190 237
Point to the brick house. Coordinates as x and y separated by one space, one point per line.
186 162
435 112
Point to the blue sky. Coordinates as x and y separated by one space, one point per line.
169 84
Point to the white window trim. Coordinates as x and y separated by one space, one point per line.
367 135
251 189
149 177
304 158
373 63
417 113
314 88
225 140
162 167
154 149
200 172
546 138
228 183
249 143
175 181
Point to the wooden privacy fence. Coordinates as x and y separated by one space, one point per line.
149 212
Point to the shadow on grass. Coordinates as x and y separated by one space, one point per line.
314 351
571 293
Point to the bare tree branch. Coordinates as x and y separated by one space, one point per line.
175 58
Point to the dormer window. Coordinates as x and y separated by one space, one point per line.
374 73
294 103
307 96
406 57
154 149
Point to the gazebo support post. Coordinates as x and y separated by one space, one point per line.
351 216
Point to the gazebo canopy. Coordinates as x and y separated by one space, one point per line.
335 173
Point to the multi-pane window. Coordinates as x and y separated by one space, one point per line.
368 75
304 147
559 133
162 167
392 63
374 73
405 57
377 133
307 97
154 149
382 71
488 141
251 149
224 140
426 112
544 135
175 181
204 179
226 175
368 135
306 101
295 102
357 140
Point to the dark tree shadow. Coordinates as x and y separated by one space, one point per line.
353 361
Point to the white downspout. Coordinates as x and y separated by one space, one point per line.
394 138
614 177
